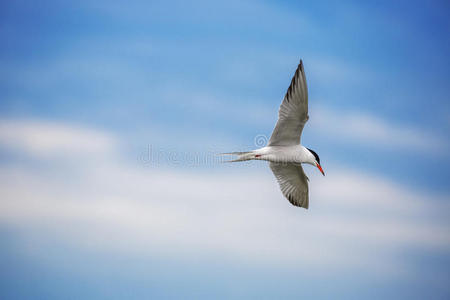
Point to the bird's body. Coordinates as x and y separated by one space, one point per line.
279 154
284 151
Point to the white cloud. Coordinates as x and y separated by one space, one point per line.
355 219
374 131
51 139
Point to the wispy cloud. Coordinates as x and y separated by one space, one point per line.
53 139
371 130
232 214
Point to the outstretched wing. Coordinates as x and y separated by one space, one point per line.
293 183
293 112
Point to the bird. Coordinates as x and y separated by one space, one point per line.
284 150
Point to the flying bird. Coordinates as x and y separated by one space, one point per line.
284 151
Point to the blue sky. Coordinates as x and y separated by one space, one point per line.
88 89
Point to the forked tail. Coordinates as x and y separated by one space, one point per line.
241 156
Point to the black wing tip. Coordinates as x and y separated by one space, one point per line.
296 74
295 203
300 205
294 78
300 68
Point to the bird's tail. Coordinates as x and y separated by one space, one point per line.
241 156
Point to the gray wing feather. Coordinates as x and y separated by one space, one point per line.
293 112
293 183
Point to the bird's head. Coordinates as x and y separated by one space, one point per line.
315 160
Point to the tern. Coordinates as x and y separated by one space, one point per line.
284 152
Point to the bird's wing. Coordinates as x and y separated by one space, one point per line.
293 183
293 112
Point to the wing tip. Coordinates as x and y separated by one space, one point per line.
292 200
297 73
301 205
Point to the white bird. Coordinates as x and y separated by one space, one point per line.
284 151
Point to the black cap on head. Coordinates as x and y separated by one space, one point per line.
315 155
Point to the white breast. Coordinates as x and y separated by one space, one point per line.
283 154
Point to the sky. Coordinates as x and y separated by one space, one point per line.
112 115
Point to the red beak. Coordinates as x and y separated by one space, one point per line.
320 168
